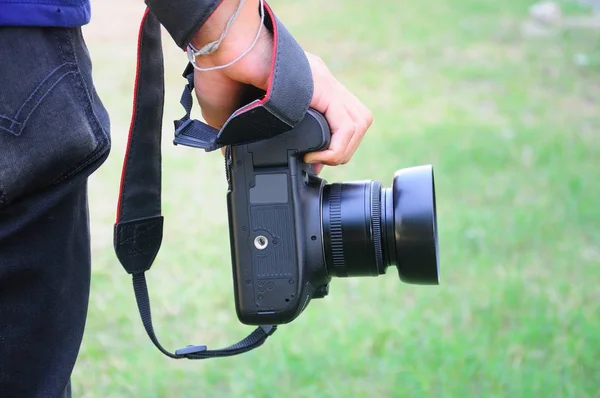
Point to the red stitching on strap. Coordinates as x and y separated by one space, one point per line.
133 117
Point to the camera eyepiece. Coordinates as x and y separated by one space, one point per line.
367 228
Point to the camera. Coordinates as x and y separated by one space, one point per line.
291 232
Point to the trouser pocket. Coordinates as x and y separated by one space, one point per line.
52 125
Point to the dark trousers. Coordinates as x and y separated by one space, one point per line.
54 132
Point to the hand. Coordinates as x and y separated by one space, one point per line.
219 91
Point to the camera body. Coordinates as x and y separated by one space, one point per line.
291 231
274 210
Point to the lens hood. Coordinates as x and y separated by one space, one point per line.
415 225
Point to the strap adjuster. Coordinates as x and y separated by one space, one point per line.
195 134
182 127
190 349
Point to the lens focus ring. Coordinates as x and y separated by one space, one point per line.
376 222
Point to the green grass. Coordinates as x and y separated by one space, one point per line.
510 123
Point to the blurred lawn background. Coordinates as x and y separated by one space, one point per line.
507 112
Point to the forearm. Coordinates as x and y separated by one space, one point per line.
199 21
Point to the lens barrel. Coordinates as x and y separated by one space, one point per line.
352 228
367 228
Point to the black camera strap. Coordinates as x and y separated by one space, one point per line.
139 225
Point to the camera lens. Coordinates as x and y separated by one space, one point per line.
367 228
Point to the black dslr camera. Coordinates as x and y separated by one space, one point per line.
291 231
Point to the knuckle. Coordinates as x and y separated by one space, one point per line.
362 126
369 118
345 159
353 127
336 158
340 157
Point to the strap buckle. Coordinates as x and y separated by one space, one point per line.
195 134
191 349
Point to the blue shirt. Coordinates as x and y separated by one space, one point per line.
58 13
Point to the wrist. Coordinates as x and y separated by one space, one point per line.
247 20
246 49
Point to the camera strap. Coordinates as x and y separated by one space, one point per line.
139 223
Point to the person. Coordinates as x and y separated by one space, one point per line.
55 132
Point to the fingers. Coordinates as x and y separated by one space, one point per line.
219 94
349 119
338 152
363 119
318 167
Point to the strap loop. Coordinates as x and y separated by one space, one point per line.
252 341
193 133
